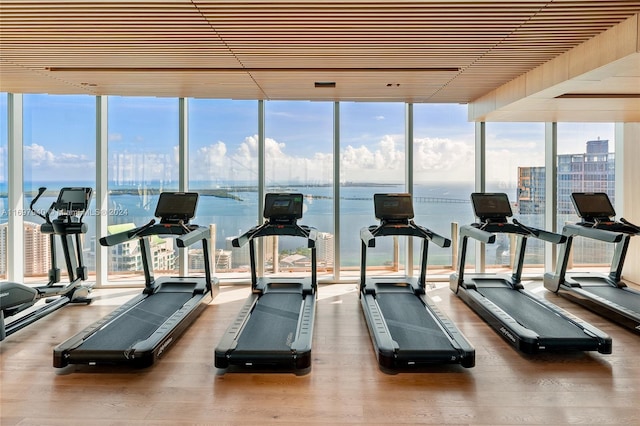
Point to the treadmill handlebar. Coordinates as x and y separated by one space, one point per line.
477 234
594 233
411 229
121 237
631 225
268 228
541 234
519 228
437 239
367 237
193 236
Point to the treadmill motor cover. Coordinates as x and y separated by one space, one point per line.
491 207
393 207
592 206
174 207
283 206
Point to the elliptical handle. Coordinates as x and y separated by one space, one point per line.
41 191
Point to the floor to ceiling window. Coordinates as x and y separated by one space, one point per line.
299 158
586 163
142 162
515 157
372 160
4 213
223 168
223 141
443 175
58 151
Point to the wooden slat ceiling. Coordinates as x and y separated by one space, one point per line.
412 51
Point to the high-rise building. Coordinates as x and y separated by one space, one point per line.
127 256
324 249
36 248
592 171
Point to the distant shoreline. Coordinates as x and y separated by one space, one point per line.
228 192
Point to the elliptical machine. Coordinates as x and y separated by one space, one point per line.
15 298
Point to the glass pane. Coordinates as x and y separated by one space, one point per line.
515 154
586 163
143 161
372 160
299 158
223 168
59 151
443 164
4 191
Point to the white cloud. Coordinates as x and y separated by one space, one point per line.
441 154
42 165
36 155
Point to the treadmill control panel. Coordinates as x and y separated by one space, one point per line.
491 207
393 207
593 206
283 207
174 207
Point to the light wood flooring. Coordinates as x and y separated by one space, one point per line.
344 386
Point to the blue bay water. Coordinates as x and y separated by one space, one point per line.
232 216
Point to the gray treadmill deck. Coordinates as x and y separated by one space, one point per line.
273 322
136 324
409 323
527 311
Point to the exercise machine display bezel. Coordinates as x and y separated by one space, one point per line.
174 207
393 207
491 207
592 206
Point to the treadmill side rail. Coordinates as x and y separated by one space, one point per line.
304 332
229 339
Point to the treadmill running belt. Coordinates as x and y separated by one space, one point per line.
273 322
409 323
616 295
531 314
136 324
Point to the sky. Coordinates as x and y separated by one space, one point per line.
59 141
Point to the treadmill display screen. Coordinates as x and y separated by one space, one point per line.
593 205
73 199
174 207
283 206
491 206
393 207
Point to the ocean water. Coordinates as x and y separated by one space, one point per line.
446 203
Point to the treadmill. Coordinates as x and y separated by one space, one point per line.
407 329
140 331
605 294
529 323
274 328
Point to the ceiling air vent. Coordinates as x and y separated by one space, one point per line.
325 84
